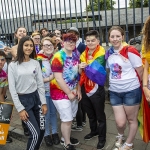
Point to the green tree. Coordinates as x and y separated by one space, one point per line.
96 3
138 3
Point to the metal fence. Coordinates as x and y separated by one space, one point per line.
62 14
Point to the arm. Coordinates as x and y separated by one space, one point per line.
48 79
12 88
41 89
139 71
63 85
79 92
145 81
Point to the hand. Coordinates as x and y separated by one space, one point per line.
7 50
71 96
44 109
23 115
147 93
79 95
82 65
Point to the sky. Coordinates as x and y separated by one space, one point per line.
19 8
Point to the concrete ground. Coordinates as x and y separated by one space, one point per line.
17 133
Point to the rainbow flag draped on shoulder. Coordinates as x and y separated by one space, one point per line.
94 74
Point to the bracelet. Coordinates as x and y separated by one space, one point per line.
144 85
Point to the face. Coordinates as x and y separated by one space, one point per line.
69 45
44 33
48 47
21 33
58 33
28 48
92 42
54 40
116 39
2 61
36 39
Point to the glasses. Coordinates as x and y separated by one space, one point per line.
71 42
37 38
48 46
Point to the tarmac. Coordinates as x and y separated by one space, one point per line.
16 132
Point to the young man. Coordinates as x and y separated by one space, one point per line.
3 83
92 79
44 32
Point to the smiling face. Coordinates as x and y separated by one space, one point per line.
92 42
21 32
48 47
69 45
28 47
116 39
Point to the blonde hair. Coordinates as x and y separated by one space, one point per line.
146 35
35 33
44 39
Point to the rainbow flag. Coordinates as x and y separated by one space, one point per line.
94 74
144 119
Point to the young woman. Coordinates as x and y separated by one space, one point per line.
27 91
125 67
64 88
51 116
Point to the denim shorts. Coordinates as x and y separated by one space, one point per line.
129 98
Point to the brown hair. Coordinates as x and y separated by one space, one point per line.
116 28
46 38
146 33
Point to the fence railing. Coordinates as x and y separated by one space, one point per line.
62 14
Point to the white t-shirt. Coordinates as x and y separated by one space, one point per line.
122 77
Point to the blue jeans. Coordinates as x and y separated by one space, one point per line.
50 117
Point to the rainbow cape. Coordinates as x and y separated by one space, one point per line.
94 74
144 112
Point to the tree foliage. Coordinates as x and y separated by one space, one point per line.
103 4
138 3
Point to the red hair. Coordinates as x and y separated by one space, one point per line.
69 36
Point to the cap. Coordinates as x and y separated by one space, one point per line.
73 29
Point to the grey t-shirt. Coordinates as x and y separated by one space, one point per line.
25 78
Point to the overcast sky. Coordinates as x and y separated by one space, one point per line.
17 8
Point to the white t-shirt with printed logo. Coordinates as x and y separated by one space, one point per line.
122 77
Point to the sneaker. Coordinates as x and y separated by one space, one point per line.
55 138
69 147
9 139
73 141
124 147
77 128
48 140
74 123
90 136
101 145
84 123
5 97
119 140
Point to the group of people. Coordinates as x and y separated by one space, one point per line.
61 74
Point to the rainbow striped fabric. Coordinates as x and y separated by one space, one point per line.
144 112
94 74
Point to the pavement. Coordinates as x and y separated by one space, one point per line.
16 132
